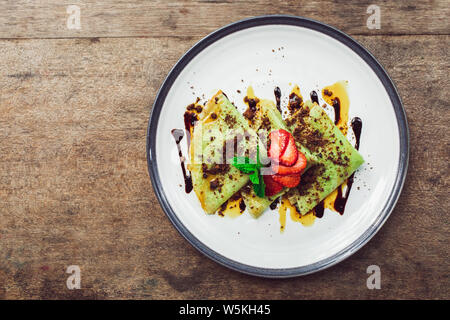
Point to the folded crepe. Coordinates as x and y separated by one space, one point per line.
219 126
264 119
336 158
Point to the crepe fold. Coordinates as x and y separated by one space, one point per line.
268 118
220 134
336 158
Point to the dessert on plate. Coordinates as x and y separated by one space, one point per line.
249 160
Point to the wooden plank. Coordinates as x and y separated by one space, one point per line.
74 187
112 18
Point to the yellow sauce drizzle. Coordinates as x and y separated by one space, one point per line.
282 210
306 220
250 92
339 90
214 108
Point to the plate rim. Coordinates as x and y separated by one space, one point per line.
355 47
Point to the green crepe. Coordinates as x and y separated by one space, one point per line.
214 179
337 158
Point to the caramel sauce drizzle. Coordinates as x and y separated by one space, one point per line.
306 220
340 102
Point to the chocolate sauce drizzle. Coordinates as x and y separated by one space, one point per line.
314 97
319 209
277 92
251 102
341 200
178 135
337 110
189 122
242 205
356 127
274 204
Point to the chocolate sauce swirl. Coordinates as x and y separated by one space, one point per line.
337 110
319 209
341 199
314 97
277 92
178 135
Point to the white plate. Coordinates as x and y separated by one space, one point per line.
281 51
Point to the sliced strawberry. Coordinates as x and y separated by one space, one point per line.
298 166
272 187
289 181
279 140
289 157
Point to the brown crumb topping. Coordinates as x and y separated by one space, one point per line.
310 182
216 168
230 121
265 124
189 120
247 189
251 102
295 102
311 139
235 196
315 141
215 184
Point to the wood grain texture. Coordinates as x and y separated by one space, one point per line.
74 187
123 18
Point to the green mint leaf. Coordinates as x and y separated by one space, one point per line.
254 177
246 168
260 189
244 165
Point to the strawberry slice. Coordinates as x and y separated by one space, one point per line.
272 187
298 166
289 181
279 140
289 157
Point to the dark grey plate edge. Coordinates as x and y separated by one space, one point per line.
390 89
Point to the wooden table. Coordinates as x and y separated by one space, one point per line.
74 186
